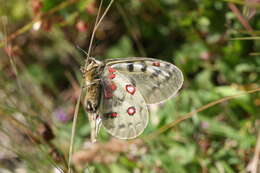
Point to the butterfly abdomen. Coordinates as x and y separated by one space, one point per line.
93 87
92 98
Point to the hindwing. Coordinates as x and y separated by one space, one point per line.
123 110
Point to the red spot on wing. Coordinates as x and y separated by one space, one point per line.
130 89
108 90
113 86
112 76
111 70
108 93
157 64
111 115
131 110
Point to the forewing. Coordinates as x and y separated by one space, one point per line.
157 80
123 109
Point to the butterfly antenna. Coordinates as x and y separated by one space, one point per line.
94 31
81 50
97 23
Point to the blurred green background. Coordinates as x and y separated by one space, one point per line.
40 76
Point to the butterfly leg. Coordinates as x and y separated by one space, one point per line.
92 120
92 83
98 124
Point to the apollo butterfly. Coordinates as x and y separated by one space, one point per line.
119 90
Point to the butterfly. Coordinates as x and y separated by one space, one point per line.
119 90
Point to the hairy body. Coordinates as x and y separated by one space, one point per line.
91 74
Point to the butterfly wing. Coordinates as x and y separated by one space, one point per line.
123 110
157 80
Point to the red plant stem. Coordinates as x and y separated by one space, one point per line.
241 19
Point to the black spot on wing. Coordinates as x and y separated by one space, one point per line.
130 124
172 69
167 65
121 126
156 73
156 86
133 81
144 67
168 76
118 101
130 67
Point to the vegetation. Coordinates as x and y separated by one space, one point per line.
214 43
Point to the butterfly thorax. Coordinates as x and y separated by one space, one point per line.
91 73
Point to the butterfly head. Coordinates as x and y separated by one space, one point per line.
91 66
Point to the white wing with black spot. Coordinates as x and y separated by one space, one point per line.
123 110
156 80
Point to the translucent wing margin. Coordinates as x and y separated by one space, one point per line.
157 80
123 110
